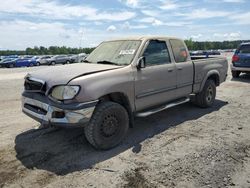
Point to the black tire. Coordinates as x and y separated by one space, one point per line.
206 97
53 63
38 64
235 74
108 125
67 62
31 65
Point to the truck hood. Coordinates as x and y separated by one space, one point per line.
59 75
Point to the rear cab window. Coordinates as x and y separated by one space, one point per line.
179 50
156 53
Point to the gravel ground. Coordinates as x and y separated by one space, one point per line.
181 147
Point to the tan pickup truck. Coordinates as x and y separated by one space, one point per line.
120 80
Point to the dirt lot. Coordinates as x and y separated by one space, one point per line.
181 147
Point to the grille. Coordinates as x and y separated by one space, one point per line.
35 109
34 85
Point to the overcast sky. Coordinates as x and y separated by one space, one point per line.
74 23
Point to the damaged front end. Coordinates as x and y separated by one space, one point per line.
37 104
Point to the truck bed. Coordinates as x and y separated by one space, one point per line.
203 67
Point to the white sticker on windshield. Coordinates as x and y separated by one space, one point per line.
127 52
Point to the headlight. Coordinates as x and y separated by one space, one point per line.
65 92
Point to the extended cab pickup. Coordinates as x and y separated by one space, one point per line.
119 80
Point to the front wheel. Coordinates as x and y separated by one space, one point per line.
207 96
108 125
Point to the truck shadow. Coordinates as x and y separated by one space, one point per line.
63 151
243 78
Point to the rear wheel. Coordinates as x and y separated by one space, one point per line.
235 74
67 62
207 96
31 65
108 125
53 63
38 64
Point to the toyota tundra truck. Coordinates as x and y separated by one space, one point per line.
120 80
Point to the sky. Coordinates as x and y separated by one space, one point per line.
81 23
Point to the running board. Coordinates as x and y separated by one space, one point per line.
164 107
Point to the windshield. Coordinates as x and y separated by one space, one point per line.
114 52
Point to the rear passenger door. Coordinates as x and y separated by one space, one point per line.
184 68
156 83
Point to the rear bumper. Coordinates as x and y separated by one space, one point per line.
242 69
64 115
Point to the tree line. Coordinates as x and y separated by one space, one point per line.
55 50
215 45
52 50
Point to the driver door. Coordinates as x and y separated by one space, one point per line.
156 83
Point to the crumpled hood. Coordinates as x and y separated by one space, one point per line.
58 75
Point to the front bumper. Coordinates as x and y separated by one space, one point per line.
242 69
58 115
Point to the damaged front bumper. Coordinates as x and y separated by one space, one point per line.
47 112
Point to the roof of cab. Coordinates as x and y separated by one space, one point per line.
146 37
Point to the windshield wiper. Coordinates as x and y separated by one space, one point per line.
106 62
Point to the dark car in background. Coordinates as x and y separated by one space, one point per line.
59 59
241 60
8 62
26 62
212 52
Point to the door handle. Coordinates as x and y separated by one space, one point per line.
170 70
179 68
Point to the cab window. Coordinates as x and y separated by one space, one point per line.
179 50
156 53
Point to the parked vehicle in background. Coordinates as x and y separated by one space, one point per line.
212 52
8 62
241 60
121 79
82 57
78 58
26 62
73 58
43 60
205 53
196 53
59 59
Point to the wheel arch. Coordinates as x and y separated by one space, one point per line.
122 99
211 75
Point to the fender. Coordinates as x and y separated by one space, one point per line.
209 74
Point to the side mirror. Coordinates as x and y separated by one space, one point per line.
141 63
